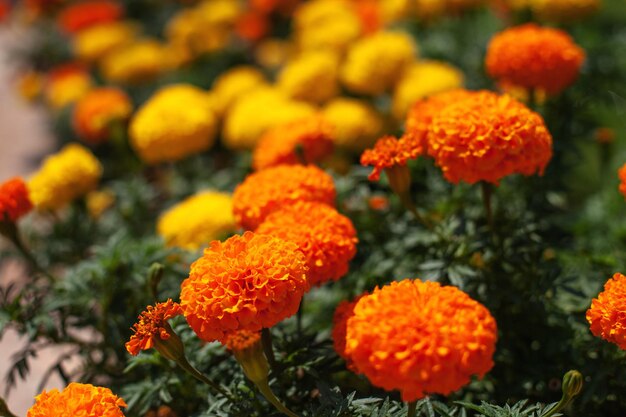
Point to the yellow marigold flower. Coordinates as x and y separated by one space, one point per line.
258 111
76 399
326 24
273 53
375 64
96 110
233 84
305 141
486 137
564 10
247 282
197 220
66 84
420 338
535 57
607 314
137 62
421 80
356 123
266 191
95 42
177 121
313 76
98 202
152 324
326 238
64 176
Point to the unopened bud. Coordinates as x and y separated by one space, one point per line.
572 384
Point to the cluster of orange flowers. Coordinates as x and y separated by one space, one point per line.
14 200
83 400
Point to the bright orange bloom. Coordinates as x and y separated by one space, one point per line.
534 57
487 137
326 238
14 200
152 323
248 282
388 152
313 136
252 26
378 203
607 315
266 191
95 111
343 312
76 399
622 178
80 16
241 340
420 338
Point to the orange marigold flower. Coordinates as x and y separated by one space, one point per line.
343 312
388 152
241 340
97 109
532 56
607 315
420 338
247 282
89 13
487 137
326 238
14 200
622 178
266 191
252 26
76 399
152 323
301 141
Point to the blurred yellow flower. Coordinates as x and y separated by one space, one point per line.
138 62
197 220
326 24
98 202
233 84
313 76
257 112
30 85
177 121
66 84
95 42
357 124
423 79
429 9
273 53
374 64
64 176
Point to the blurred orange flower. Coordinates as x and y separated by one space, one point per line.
420 338
343 312
607 315
152 323
271 189
76 399
79 16
389 152
14 200
96 110
535 57
247 282
241 340
326 238
302 141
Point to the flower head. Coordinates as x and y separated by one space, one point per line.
247 282
80 16
622 178
306 140
420 338
313 77
197 220
241 340
64 176
96 110
343 312
14 200
174 123
607 314
95 42
356 123
152 324
271 189
76 399
487 137
389 152
326 238
66 84
136 62
535 57
234 84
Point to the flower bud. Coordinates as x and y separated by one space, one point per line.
572 384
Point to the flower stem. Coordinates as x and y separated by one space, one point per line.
487 192
265 389
412 409
191 370
9 229
268 349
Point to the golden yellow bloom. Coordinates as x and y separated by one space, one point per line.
66 84
564 10
421 80
233 84
140 61
257 112
30 85
177 121
357 124
98 202
197 220
64 176
326 24
374 64
313 77
95 42
273 53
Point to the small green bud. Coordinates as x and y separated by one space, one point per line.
171 348
572 384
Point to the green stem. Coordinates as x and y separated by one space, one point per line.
558 407
487 192
268 349
265 389
299 317
189 368
21 247
4 409
412 409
